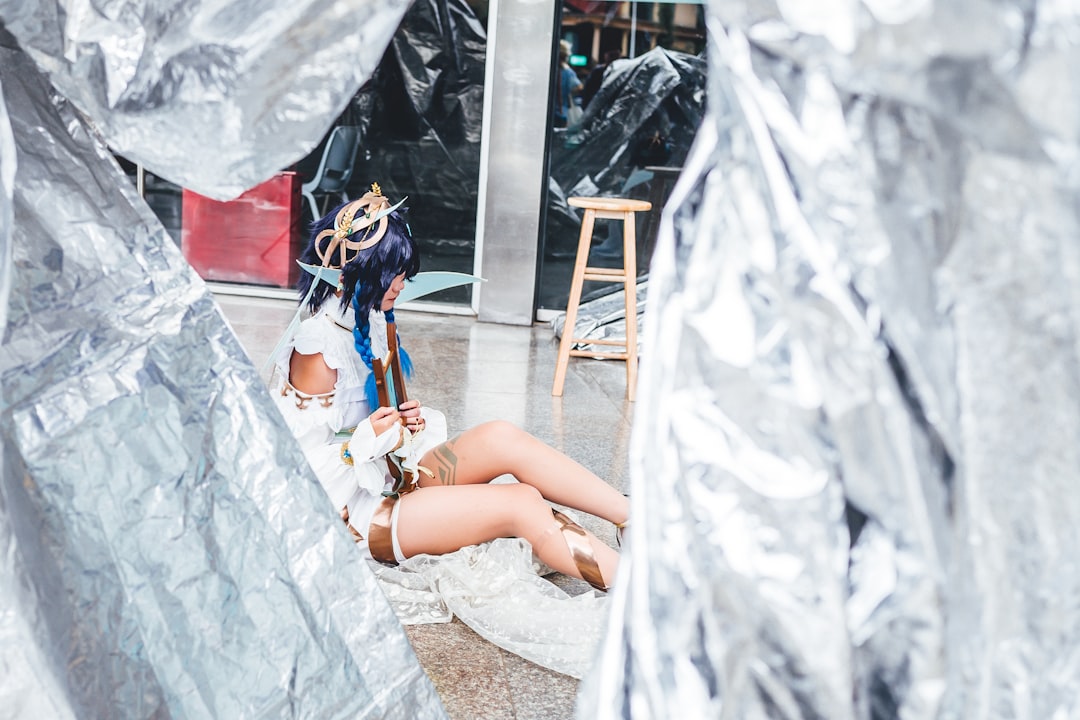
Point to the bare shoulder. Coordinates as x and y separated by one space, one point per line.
310 374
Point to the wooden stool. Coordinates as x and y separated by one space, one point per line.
607 209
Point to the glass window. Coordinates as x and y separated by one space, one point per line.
628 140
417 128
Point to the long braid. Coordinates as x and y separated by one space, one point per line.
362 343
365 280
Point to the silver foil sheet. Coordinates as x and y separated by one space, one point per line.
853 476
215 95
7 190
164 547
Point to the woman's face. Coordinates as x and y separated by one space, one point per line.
392 292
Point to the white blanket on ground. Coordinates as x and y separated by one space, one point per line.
497 590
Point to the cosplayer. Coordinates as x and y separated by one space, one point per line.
402 487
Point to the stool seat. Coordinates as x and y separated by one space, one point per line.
604 208
610 204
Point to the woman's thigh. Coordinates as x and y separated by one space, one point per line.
478 455
437 520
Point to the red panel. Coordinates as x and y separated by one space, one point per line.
255 238
588 6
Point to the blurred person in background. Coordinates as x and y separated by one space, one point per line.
567 87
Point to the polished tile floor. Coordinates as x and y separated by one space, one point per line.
476 372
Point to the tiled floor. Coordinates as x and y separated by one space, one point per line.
476 372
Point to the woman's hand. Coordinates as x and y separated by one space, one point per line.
383 419
410 410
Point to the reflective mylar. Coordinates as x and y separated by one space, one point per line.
7 184
163 544
855 458
215 95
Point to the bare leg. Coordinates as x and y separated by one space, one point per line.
438 520
487 451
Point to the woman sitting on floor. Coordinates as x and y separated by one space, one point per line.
401 485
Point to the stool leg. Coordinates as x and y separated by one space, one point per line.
630 291
567 340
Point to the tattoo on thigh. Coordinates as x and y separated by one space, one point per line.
445 463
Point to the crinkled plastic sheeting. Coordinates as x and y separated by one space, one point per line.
646 112
165 545
855 463
7 190
166 81
497 590
661 92
423 113
603 317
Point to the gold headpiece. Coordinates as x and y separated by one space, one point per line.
369 214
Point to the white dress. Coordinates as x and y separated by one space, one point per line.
494 588
320 423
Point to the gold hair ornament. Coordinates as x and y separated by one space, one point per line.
368 214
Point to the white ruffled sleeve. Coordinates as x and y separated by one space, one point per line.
318 335
367 449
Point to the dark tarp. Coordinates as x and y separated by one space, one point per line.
646 112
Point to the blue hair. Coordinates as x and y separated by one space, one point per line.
362 342
370 273
364 281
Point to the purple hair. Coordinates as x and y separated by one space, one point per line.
369 274
364 281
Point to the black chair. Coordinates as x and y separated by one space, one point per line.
335 168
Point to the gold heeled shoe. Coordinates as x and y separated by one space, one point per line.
577 540
620 530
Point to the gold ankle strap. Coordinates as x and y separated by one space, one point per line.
581 551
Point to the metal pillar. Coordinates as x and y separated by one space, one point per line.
512 150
